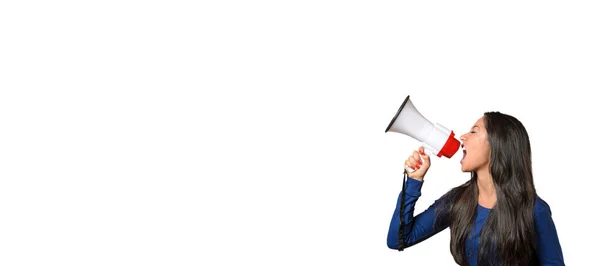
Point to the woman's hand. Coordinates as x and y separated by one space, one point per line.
420 166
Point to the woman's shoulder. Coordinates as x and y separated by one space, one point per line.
541 206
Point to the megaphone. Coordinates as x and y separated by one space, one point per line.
436 139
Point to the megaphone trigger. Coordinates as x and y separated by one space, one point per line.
427 151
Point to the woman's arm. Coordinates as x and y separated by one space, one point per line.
549 250
419 228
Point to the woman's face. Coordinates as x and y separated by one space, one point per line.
476 148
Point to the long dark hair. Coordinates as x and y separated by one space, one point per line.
508 234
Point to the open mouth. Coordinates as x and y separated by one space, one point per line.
464 154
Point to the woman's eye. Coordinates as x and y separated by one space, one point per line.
473 132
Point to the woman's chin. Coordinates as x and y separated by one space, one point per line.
465 168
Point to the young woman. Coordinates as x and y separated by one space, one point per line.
495 218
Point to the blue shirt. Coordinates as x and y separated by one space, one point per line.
421 227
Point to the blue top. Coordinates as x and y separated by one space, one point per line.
421 227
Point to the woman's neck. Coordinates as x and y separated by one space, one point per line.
486 190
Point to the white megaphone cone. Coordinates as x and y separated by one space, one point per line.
435 138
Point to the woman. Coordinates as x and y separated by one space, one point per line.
495 218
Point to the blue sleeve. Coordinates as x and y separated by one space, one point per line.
548 245
419 228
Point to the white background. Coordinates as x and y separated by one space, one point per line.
252 132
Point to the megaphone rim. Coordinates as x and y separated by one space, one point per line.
397 113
